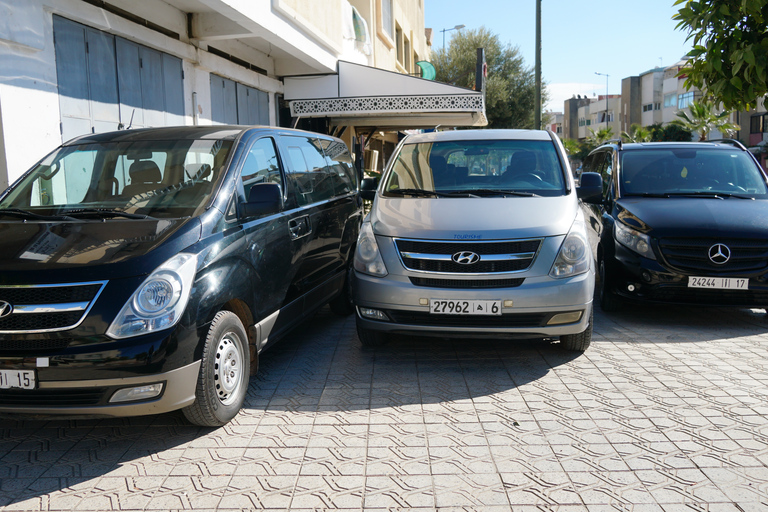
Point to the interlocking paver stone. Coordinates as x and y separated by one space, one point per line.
667 411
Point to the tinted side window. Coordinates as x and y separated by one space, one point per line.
602 164
340 166
607 173
589 163
308 170
261 166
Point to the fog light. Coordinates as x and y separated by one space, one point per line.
423 302
631 288
646 277
565 318
508 303
137 393
373 314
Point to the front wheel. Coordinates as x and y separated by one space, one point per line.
578 342
609 301
342 304
224 373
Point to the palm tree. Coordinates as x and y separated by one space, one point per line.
599 137
571 146
637 133
703 118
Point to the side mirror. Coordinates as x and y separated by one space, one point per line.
591 188
368 188
263 199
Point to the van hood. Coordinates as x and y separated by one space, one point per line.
43 252
487 218
695 216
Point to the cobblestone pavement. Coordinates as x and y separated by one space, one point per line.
665 412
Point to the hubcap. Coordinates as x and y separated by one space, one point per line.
228 370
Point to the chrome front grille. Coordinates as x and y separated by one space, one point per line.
493 257
692 254
46 308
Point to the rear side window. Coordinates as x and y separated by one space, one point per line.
340 166
308 171
261 166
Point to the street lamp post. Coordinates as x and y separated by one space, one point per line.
606 96
457 27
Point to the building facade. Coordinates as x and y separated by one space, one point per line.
72 67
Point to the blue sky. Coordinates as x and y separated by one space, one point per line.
619 37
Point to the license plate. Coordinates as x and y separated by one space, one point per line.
718 283
23 379
464 307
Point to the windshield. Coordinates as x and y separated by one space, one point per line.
477 167
695 171
161 179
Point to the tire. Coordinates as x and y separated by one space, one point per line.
578 342
342 304
609 301
224 373
371 339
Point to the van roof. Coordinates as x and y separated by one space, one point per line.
225 132
458 135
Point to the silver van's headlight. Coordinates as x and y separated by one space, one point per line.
367 256
634 240
159 301
574 256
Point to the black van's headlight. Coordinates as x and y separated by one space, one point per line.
575 255
634 240
159 301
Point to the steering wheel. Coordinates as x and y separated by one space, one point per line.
737 188
530 177
708 183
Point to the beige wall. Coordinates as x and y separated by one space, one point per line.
409 17
322 19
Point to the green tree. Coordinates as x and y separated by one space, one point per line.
510 85
669 133
730 49
571 146
703 118
599 137
636 133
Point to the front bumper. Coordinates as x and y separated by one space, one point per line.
636 278
91 397
534 304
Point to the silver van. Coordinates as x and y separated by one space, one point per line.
476 233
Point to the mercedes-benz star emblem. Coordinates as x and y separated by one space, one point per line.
5 309
719 254
465 257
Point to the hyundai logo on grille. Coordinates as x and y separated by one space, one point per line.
5 309
719 254
465 257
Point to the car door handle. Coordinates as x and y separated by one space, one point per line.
299 227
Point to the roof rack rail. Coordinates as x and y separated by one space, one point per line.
733 142
618 142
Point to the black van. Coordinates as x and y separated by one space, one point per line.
144 271
679 222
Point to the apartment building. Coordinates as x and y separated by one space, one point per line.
72 67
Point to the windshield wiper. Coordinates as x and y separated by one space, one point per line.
105 213
25 214
420 192
700 193
716 195
498 192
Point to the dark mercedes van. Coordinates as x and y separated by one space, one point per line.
144 271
